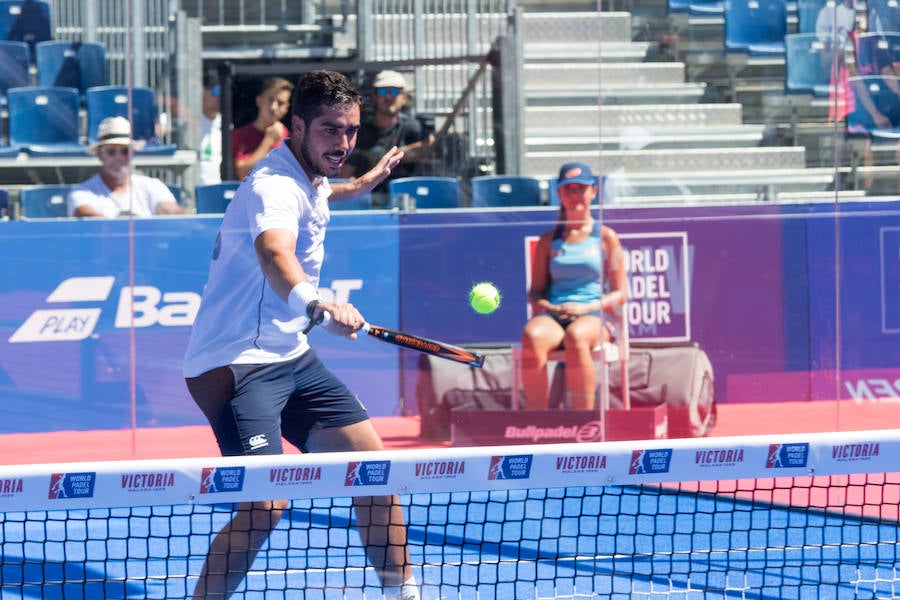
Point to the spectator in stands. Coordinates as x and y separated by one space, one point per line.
833 27
254 140
211 131
249 365
571 263
388 125
115 191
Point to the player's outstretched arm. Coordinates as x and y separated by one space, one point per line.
367 181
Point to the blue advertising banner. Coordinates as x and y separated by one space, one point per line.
756 287
70 297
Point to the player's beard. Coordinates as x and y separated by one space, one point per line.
318 167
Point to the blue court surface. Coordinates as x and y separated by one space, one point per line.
562 543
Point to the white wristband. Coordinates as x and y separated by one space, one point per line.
301 295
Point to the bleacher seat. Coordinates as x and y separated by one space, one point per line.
804 72
876 86
76 64
808 13
427 192
883 15
506 190
756 27
113 100
214 198
177 192
874 51
44 202
44 121
15 59
25 21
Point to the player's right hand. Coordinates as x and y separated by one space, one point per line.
341 318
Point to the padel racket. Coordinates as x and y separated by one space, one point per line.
415 342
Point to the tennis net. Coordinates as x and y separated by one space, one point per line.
813 516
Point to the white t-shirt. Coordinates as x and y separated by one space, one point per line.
141 199
241 319
211 150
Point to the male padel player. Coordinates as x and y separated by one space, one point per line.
249 366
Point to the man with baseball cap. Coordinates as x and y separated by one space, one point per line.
388 125
115 191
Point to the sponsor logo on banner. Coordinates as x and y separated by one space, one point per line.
218 480
719 457
510 467
588 432
10 487
367 472
786 456
854 452
147 482
440 469
295 475
586 463
650 461
71 485
142 306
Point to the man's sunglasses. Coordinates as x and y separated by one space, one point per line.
113 150
389 91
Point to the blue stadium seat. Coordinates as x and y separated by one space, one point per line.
506 190
80 65
214 198
4 205
888 102
883 16
875 51
609 191
176 191
15 59
25 21
804 72
807 14
113 100
756 27
44 202
427 192
44 121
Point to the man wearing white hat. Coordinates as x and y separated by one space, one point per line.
389 126
115 191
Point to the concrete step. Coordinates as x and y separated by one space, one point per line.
642 139
677 162
594 76
621 95
568 28
765 184
653 117
587 52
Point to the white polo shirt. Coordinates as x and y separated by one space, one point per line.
241 319
141 199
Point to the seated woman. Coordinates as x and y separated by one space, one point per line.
578 273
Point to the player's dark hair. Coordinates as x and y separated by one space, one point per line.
318 89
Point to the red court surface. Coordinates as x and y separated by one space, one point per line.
403 432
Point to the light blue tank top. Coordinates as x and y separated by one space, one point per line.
575 269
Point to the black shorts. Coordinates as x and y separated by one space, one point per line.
251 407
